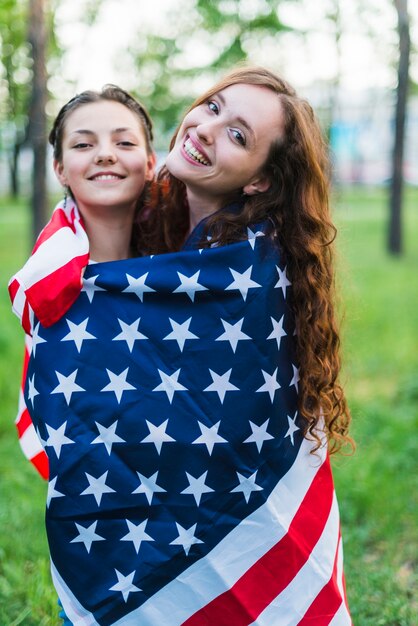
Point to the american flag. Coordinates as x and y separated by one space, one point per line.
47 285
181 488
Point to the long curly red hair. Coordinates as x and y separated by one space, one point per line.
297 204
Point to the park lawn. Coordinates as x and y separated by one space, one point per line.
376 486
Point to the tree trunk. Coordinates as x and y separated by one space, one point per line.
37 117
396 189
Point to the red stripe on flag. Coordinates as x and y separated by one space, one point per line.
50 309
25 321
327 602
23 423
40 461
13 289
271 574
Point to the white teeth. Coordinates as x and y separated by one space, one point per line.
193 153
106 177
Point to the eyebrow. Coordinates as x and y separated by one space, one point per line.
114 131
240 119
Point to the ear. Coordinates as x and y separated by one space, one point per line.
151 164
258 185
59 172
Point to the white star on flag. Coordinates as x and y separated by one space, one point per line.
149 486
242 282
125 584
32 392
212 245
87 535
271 384
252 236
209 436
296 378
186 538
118 383
292 427
189 285
67 385
52 492
283 281
130 333
97 487
57 438
78 333
36 338
221 384
138 286
246 485
233 333
260 434
89 287
278 331
157 435
197 486
137 534
107 436
170 384
181 332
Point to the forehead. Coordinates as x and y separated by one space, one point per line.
104 115
259 106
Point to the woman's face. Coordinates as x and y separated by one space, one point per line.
223 144
104 156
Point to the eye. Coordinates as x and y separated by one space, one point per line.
238 136
126 143
81 145
213 107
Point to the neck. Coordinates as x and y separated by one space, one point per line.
109 236
201 207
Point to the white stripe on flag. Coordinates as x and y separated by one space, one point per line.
343 613
51 255
341 618
30 443
21 406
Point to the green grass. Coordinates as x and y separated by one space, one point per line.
376 486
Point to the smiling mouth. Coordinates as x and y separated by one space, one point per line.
194 154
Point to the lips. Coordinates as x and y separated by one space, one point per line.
194 153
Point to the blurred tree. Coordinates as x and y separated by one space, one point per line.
14 59
172 70
37 38
397 179
16 65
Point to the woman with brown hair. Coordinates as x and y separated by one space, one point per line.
293 196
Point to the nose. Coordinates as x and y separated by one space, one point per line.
105 154
206 132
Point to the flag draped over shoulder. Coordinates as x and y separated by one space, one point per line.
181 488
47 286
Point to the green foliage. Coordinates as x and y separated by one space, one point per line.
170 75
376 487
15 62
